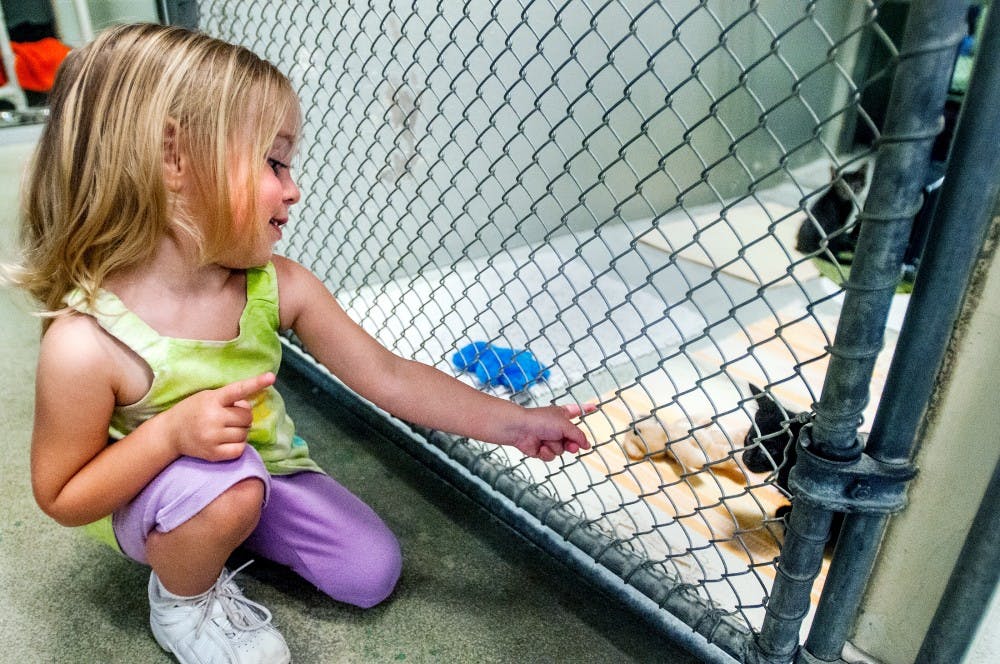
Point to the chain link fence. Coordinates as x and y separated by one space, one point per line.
653 199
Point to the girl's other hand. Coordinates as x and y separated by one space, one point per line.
548 432
213 424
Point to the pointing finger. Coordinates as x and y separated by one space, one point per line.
574 410
244 389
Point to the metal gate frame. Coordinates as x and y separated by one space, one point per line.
867 478
838 471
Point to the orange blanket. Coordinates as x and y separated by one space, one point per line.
36 63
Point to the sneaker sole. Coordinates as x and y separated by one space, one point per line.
168 649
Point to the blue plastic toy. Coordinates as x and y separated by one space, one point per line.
496 366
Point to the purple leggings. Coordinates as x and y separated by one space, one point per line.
309 522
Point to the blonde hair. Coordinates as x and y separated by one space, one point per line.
96 200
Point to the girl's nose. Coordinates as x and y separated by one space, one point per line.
291 191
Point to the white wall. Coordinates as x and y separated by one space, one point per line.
956 461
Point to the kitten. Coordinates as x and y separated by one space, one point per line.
831 212
770 444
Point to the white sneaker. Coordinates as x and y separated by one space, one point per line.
219 626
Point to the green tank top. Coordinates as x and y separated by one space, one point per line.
182 367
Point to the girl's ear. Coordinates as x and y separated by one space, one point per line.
174 165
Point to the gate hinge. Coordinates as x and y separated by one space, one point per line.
864 484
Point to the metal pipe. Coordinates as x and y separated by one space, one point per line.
960 222
918 94
12 89
179 12
969 192
86 24
845 585
806 534
913 121
970 587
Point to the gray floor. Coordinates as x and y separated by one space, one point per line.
471 591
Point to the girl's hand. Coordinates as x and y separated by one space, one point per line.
548 432
213 424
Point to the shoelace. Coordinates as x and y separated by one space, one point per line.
242 613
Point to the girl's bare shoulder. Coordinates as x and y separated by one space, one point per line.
75 330
298 288
76 346
288 270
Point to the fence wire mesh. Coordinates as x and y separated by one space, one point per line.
655 199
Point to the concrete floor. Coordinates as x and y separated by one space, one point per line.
471 590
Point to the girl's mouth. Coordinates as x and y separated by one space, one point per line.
276 224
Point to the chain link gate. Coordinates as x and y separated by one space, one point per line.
622 189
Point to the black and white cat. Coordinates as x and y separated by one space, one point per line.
828 216
770 446
770 443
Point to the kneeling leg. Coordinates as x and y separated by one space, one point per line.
330 537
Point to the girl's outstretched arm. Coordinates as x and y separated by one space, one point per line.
410 390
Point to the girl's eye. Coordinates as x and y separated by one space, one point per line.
276 166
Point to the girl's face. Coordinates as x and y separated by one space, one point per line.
276 193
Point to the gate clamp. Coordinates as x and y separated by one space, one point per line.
862 485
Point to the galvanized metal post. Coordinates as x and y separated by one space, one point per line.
829 475
964 211
179 12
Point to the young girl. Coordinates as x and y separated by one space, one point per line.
158 190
